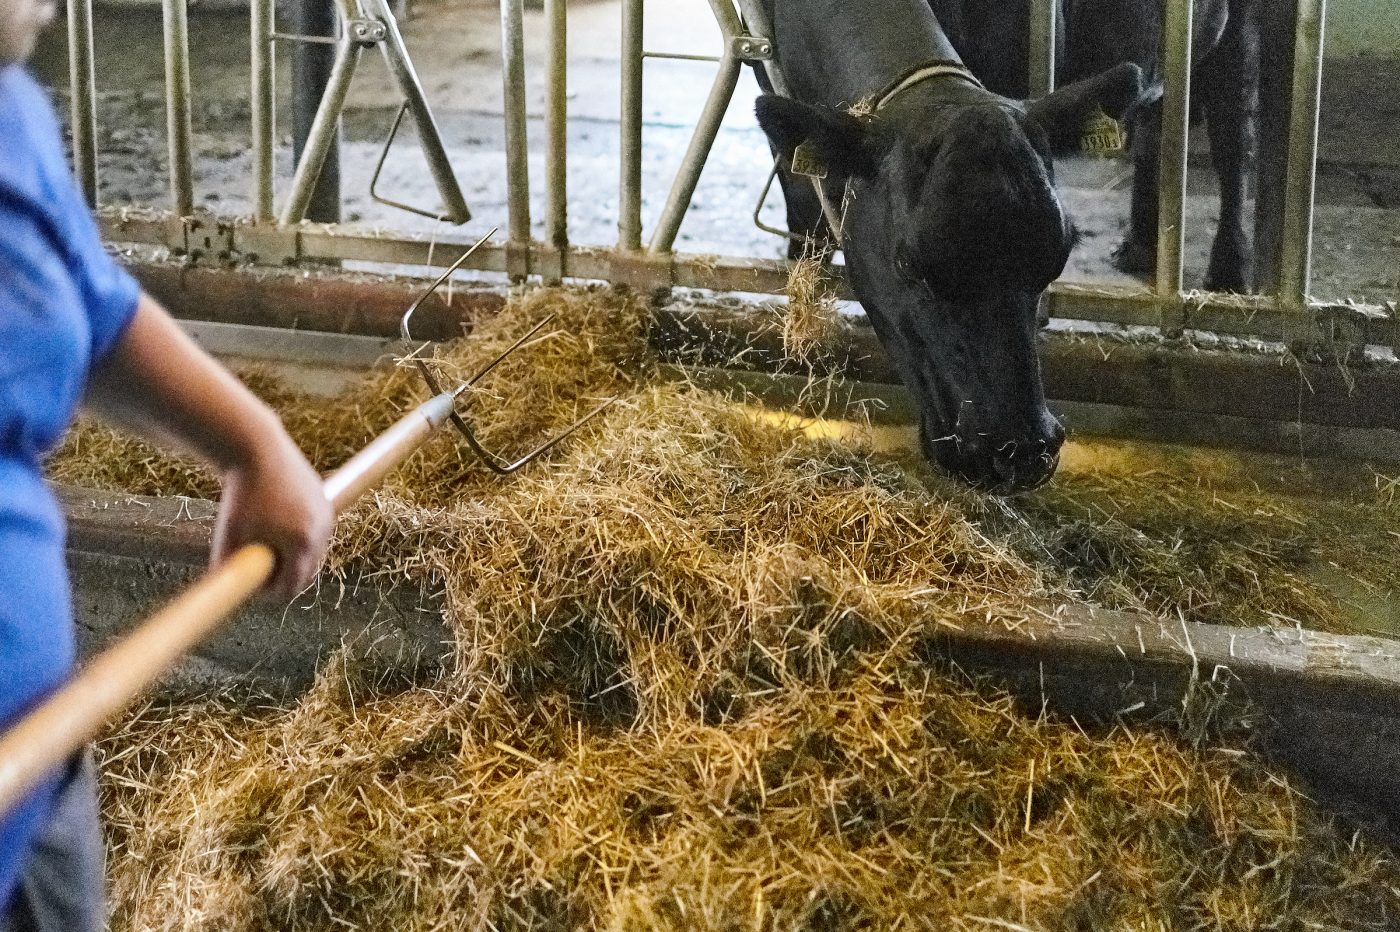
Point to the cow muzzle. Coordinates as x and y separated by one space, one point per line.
1001 465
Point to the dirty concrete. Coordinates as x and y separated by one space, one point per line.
455 44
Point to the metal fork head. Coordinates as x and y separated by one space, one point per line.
497 464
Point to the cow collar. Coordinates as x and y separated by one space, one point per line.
934 69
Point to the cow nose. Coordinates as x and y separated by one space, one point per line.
1027 469
1028 462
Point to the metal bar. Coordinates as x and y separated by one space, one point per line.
1254 316
556 157
1171 204
300 37
678 56
82 80
429 138
701 142
312 68
1295 255
1042 40
756 18
517 141
322 134
262 100
629 201
727 18
176 31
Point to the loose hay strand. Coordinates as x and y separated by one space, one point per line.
811 323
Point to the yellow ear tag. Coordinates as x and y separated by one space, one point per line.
1102 135
806 161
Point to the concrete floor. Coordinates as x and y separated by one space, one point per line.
456 48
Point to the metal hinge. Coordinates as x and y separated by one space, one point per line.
751 48
366 31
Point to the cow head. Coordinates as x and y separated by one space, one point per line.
953 229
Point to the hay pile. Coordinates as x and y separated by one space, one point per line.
690 691
894 800
1218 538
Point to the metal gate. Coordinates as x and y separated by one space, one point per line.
270 237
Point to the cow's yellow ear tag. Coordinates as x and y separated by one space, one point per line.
808 162
1102 135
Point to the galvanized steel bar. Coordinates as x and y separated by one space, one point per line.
312 65
1295 256
756 18
629 201
429 139
82 81
262 100
727 17
517 141
324 129
681 56
176 31
1254 316
556 156
1042 38
701 142
1176 112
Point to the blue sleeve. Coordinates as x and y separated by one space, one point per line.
35 176
109 292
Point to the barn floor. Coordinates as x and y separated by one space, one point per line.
456 48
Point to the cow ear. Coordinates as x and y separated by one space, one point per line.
840 140
1062 114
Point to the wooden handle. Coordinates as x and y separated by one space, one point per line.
45 738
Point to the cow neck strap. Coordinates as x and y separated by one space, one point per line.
937 69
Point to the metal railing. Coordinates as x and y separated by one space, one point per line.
1290 314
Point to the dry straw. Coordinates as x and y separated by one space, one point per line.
690 690
811 323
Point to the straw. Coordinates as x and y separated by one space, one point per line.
690 690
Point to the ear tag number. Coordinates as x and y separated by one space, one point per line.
806 161
1101 134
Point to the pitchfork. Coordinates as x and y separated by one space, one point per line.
490 460
40 742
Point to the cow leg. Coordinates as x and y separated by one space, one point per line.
1228 86
1137 254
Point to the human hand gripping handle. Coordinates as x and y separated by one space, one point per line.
77 712
272 495
159 383
275 499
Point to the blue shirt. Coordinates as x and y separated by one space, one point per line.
64 304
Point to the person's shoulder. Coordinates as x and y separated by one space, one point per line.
31 147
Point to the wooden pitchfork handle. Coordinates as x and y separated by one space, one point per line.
43 740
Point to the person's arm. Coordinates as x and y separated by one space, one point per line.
159 383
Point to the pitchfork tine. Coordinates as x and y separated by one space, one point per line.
493 463
513 347
432 289
489 459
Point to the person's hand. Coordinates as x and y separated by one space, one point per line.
158 382
274 497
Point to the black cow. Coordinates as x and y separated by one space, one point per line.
991 37
952 227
